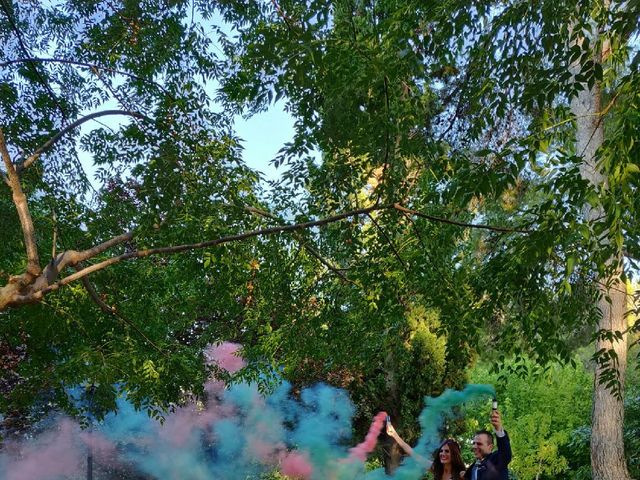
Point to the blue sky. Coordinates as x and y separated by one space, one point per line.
264 134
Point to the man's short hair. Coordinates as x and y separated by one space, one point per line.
488 434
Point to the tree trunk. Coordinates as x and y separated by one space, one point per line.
607 445
391 455
391 451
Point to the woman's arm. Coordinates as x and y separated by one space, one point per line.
393 434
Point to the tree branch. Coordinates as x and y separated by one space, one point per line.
91 66
49 143
13 294
93 294
283 15
196 246
71 258
20 201
433 218
255 233
390 242
436 265
23 288
25 51
89 253
337 270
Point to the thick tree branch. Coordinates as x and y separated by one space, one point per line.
11 294
255 233
52 141
20 201
23 288
71 258
89 253
196 246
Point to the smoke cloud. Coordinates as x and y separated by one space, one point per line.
237 433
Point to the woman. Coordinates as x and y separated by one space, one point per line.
447 460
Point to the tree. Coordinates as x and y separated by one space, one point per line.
501 142
449 181
168 174
541 414
590 30
169 180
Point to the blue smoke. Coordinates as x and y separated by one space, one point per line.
241 434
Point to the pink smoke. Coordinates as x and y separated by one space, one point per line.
54 455
265 452
361 450
226 356
179 428
296 465
100 446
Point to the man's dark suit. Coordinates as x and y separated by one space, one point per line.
494 465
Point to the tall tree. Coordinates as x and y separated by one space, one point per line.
121 84
501 144
450 181
170 181
607 458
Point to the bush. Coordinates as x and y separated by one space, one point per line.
541 411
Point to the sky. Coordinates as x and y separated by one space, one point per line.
264 134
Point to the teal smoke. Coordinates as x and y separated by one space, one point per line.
242 434
431 418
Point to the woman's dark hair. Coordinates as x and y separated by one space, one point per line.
457 465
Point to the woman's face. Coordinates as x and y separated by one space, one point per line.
445 454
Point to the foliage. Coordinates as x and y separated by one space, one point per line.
498 143
455 111
172 175
515 165
541 412
632 430
547 416
577 449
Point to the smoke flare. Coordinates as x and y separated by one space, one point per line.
236 433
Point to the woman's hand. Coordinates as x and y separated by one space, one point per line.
393 434
391 431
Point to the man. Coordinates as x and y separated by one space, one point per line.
490 465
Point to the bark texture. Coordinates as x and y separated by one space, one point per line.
392 455
607 443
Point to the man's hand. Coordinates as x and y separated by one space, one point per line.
496 421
